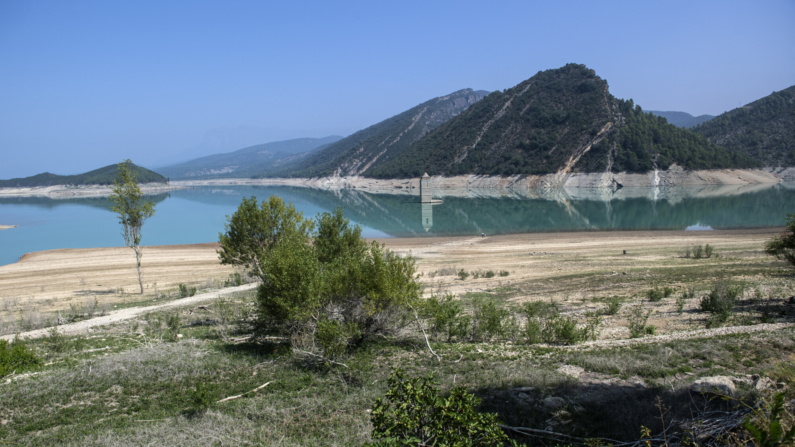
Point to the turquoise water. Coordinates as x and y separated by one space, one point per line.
197 215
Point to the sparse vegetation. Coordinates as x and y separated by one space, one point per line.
15 357
783 246
720 301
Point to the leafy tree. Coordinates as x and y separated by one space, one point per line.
132 209
253 231
326 288
414 414
783 246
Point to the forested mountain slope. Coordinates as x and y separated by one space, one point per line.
763 129
101 176
249 162
682 119
382 142
559 121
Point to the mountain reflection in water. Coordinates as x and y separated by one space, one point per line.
197 215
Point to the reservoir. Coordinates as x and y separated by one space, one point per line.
197 215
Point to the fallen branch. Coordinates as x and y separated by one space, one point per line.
320 357
247 392
417 317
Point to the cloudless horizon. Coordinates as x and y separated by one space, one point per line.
87 84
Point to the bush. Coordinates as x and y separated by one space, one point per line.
613 306
698 252
562 330
708 249
327 288
446 317
185 291
504 273
637 320
720 300
489 274
16 357
487 320
414 413
235 279
463 274
783 246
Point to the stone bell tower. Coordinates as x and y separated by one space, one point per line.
426 195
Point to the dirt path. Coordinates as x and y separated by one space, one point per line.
82 327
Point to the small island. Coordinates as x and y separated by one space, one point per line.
6 227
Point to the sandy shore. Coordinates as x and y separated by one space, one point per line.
541 265
71 192
6 227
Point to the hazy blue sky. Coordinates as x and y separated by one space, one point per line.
86 84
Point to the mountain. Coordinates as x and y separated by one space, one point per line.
101 176
682 119
384 141
559 121
763 129
250 161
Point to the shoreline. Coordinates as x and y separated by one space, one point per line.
464 185
559 265
73 192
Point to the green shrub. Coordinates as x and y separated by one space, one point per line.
540 309
446 317
708 250
415 414
463 274
489 274
234 279
16 357
698 252
637 320
773 435
201 397
783 246
720 300
329 277
487 319
654 295
185 291
613 307
562 330
532 331
504 273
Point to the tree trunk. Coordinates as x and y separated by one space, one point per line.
140 272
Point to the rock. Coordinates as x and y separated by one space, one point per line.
570 370
524 389
715 384
764 384
554 403
525 396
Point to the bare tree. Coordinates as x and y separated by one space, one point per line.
133 211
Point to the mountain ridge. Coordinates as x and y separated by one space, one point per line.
763 129
682 119
249 161
101 176
559 121
384 140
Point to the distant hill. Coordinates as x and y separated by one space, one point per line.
101 176
384 141
763 129
249 162
682 119
559 121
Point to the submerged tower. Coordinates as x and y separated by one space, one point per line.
426 195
